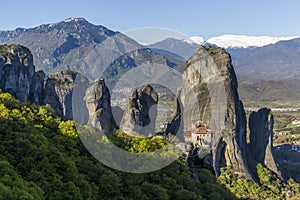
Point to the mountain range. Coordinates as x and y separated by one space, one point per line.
267 67
73 44
76 44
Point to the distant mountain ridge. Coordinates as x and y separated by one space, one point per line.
235 44
230 41
179 48
270 72
272 62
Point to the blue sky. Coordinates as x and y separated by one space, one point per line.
204 18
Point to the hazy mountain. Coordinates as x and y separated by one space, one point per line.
177 48
269 72
235 44
270 90
148 63
274 61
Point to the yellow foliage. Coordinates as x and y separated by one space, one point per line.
68 128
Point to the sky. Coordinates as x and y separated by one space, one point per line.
205 18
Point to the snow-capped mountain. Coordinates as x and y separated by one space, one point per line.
194 40
243 41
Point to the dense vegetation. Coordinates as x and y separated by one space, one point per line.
269 186
43 158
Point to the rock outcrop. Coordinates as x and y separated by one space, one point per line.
209 96
97 99
140 116
36 94
16 71
59 90
175 127
261 138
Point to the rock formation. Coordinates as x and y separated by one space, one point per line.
141 113
97 99
59 89
16 71
36 94
209 96
261 138
175 125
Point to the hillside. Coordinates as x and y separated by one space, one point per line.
270 90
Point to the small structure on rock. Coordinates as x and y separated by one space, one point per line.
198 135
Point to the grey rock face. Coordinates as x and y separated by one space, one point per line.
141 113
174 127
36 94
16 71
97 99
59 90
64 91
261 138
209 95
136 58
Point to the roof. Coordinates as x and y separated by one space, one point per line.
201 130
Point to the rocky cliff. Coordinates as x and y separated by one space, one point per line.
36 93
18 77
261 138
59 90
97 99
209 96
17 71
140 116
